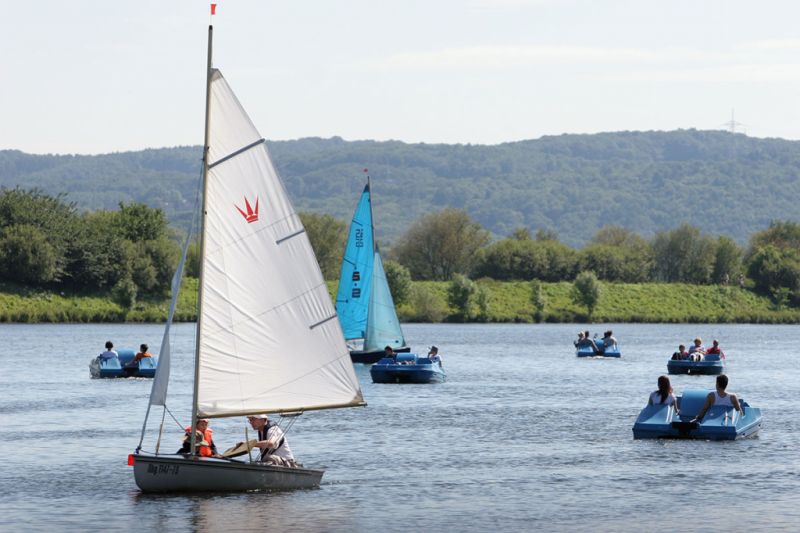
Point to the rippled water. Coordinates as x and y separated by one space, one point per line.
522 436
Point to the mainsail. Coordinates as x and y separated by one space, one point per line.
383 328
269 339
352 298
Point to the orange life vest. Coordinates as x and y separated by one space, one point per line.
141 355
204 450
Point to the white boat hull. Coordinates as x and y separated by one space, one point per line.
178 473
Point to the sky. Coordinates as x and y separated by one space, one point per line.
99 76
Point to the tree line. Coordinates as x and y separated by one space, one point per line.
443 245
131 252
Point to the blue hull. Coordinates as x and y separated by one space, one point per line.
588 352
122 367
705 368
408 368
719 423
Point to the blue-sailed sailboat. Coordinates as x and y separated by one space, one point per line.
364 302
352 299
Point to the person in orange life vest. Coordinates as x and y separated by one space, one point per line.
139 356
204 440
142 354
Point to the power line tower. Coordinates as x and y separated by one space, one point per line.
732 124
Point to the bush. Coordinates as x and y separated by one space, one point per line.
459 296
428 307
586 291
124 293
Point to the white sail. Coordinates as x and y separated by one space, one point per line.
269 339
158 392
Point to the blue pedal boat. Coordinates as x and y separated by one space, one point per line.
710 365
588 351
122 366
719 423
407 368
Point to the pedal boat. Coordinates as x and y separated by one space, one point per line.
719 423
123 366
711 364
587 351
407 368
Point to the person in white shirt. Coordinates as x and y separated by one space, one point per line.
109 353
720 397
664 394
271 441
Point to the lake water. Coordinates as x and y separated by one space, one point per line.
523 436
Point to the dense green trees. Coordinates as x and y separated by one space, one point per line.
722 183
44 241
774 261
128 253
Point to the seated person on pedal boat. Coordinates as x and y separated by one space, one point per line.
697 350
585 341
664 395
110 353
719 397
681 354
716 350
140 355
609 341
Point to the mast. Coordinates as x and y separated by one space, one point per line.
202 246
371 214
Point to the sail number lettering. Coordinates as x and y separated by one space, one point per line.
356 292
163 469
359 238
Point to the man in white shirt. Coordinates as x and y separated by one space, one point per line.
271 441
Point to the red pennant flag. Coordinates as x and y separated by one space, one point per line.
213 9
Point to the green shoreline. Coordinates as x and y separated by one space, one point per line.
509 302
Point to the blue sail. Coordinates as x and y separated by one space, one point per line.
383 328
352 300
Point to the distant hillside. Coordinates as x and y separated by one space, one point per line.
720 182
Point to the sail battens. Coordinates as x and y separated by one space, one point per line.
231 326
295 234
237 152
312 326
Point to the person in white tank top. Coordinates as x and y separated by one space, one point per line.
720 397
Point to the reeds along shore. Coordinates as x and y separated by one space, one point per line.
428 302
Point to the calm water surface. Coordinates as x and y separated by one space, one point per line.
523 436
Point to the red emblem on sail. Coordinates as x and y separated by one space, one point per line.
251 215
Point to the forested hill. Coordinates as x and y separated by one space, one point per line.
720 182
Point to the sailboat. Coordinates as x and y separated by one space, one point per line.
363 301
268 339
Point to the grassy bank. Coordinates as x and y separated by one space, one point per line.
508 302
